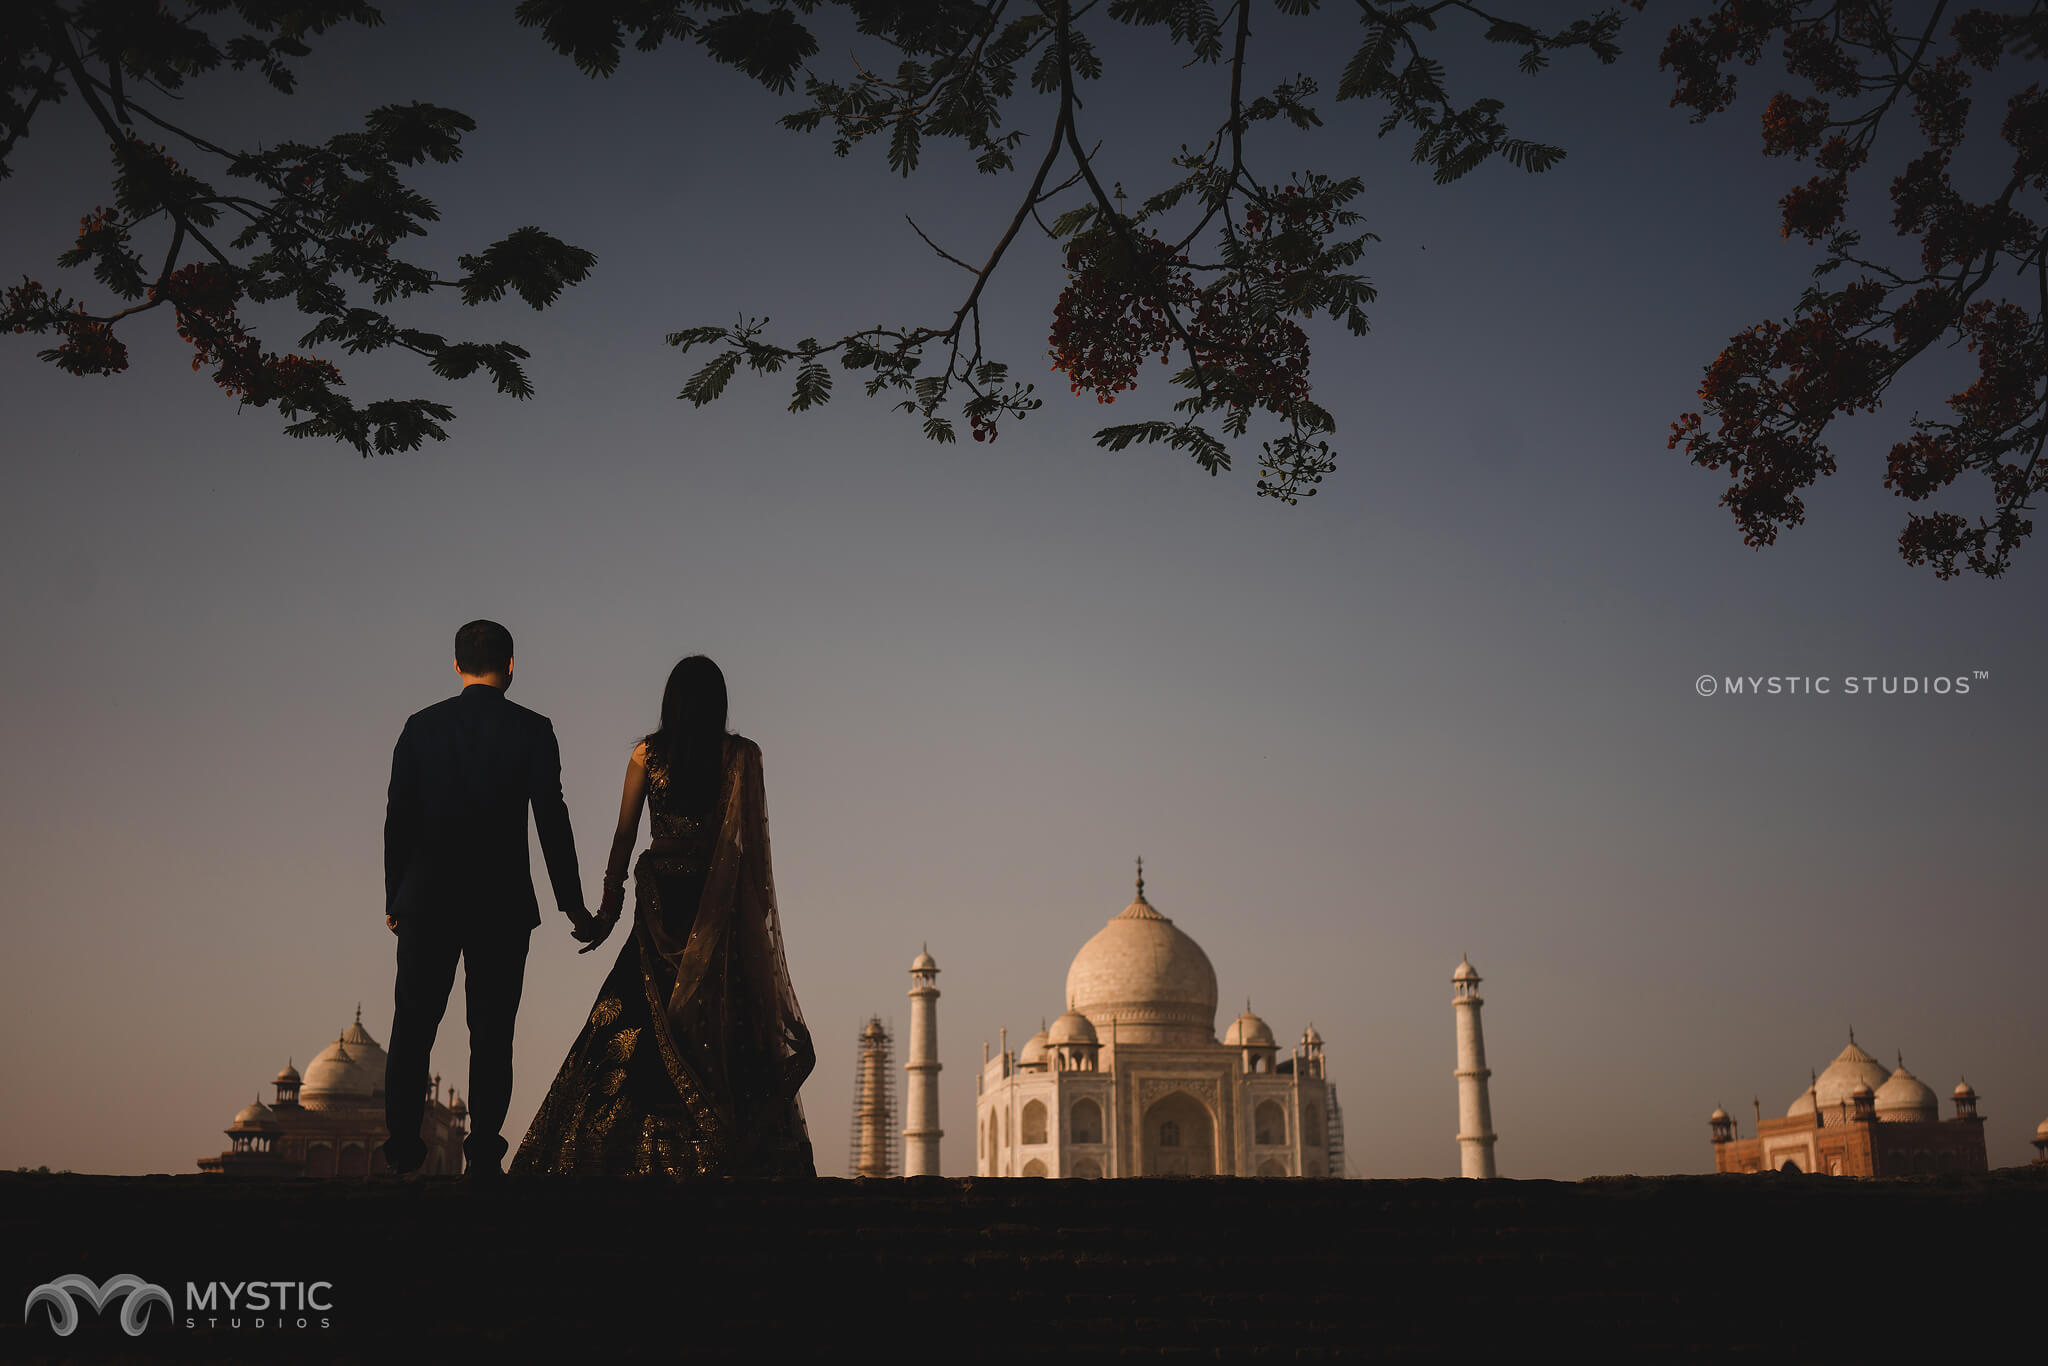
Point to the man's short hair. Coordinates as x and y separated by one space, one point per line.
483 647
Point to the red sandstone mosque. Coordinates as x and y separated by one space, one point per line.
330 1122
1854 1119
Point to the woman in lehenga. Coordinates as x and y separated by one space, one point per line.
690 1061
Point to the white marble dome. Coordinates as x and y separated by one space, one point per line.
256 1115
1146 974
1071 1028
349 1071
1032 1054
1249 1031
334 1078
1851 1068
1904 1098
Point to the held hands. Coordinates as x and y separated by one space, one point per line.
592 930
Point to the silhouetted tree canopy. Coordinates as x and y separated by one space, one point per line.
197 228
1218 267
1967 263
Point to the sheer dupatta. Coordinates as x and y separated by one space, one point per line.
733 1007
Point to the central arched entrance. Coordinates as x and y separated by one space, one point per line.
1180 1137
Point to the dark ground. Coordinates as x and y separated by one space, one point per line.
1779 1268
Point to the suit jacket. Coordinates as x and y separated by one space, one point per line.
455 849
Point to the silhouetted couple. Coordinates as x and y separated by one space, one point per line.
689 1062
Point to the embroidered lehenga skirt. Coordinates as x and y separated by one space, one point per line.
644 1094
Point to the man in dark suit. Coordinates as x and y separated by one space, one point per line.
458 884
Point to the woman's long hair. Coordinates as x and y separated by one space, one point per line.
691 740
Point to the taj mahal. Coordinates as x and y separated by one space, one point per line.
1131 1080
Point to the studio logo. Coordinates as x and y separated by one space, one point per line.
63 1294
238 1306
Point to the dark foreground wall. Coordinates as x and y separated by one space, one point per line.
1778 1268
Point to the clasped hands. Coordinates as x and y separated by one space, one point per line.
592 930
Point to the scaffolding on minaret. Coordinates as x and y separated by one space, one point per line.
1336 1136
874 1145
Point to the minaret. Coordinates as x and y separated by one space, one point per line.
921 1133
871 1103
1475 1116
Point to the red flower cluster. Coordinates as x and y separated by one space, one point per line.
1112 314
1793 127
1813 210
1266 360
2011 365
99 231
1774 389
88 347
204 296
1292 209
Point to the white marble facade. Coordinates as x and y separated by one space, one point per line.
1131 1080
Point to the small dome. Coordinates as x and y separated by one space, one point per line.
924 962
1071 1028
1311 1039
1851 1066
1249 1031
290 1074
2041 1129
1032 1054
1963 1091
256 1115
1719 1116
456 1105
1904 1098
1464 972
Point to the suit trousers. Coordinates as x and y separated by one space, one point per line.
494 972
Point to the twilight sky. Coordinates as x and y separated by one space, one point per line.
1448 705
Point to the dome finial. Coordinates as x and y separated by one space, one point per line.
1852 1033
359 1012
1141 877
